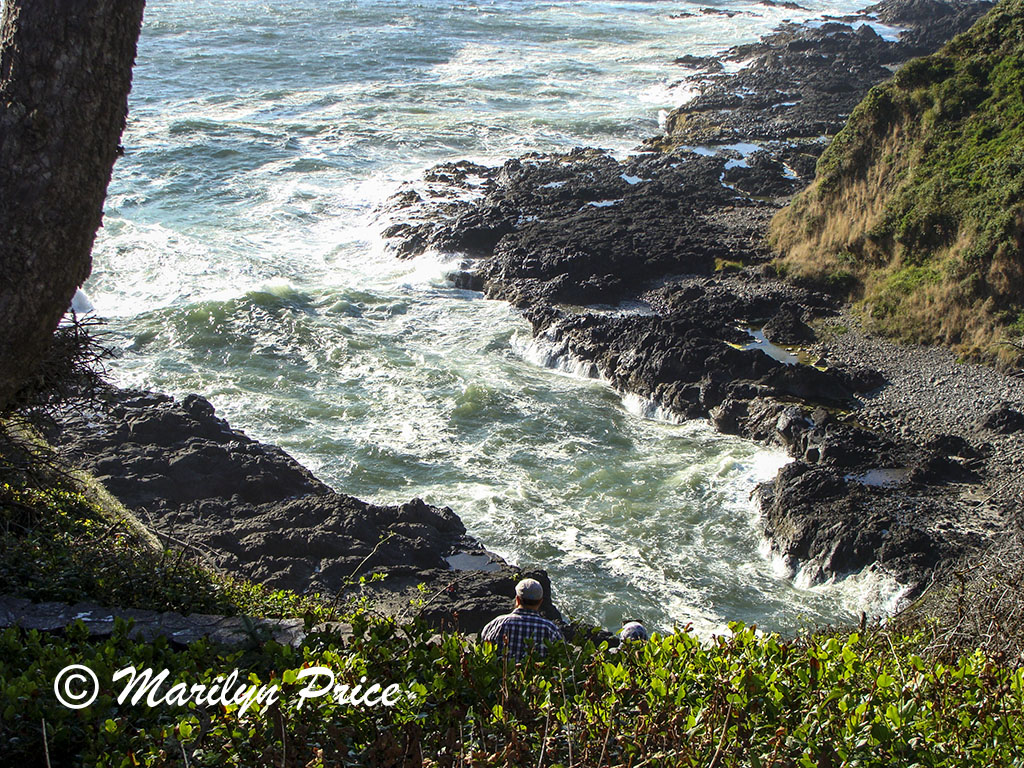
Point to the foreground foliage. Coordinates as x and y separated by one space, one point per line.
918 203
742 700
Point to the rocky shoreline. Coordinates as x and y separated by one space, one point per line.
652 273
250 509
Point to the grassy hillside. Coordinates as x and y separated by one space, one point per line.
64 538
917 210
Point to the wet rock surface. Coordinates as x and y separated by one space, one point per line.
801 83
582 228
651 272
249 508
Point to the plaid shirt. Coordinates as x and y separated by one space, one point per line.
521 630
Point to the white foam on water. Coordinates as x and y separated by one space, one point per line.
870 590
732 67
251 199
556 356
546 353
647 408
670 95
431 269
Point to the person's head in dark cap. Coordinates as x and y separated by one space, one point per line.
634 631
529 594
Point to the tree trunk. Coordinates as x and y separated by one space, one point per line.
65 73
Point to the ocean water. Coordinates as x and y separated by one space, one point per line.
241 258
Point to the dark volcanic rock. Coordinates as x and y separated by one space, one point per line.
850 448
1004 420
929 23
948 459
253 510
583 228
787 4
700 63
831 527
800 83
787 327
456 600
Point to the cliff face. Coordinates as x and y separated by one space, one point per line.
917 208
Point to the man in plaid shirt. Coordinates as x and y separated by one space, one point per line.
524 629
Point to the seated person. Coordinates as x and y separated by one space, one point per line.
524 629
634 631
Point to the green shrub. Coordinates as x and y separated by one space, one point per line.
742 700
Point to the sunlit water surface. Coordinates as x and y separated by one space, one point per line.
241 259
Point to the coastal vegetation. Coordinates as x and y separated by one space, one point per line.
64 538
877 696
917 207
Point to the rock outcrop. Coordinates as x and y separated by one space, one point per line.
251 509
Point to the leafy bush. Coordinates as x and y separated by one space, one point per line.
742 700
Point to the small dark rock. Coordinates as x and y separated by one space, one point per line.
1004 420
787 327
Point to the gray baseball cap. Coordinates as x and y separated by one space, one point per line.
635 631
530 590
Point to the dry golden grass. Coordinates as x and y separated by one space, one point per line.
831 239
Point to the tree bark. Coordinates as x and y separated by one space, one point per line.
65 74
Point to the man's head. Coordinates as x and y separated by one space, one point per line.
529 594
635 631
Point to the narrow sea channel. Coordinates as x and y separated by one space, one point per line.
240 258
